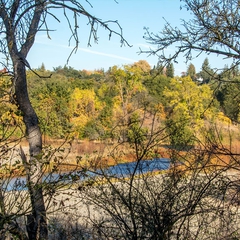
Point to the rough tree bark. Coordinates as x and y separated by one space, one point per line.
37 224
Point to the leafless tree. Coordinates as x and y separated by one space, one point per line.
195 199
20 21
212 29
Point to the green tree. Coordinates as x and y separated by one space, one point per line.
234 70
170 70
106 94
186 102
69 72
229 97
159 69
206 72
191 71
42 68
155 86
228 74
51 98
137 134
128 85
128 82
10 117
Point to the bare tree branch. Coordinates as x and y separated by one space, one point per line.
213 29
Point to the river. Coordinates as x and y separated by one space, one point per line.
120 170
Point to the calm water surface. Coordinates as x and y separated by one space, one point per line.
120 170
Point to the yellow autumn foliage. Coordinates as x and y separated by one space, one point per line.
84 106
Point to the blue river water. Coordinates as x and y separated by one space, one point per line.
125 169
120 170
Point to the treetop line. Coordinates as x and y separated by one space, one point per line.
128 97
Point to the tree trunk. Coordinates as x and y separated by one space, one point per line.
37 222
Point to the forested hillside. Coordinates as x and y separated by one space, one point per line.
97 105
100 104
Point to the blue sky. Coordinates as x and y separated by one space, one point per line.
132 15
